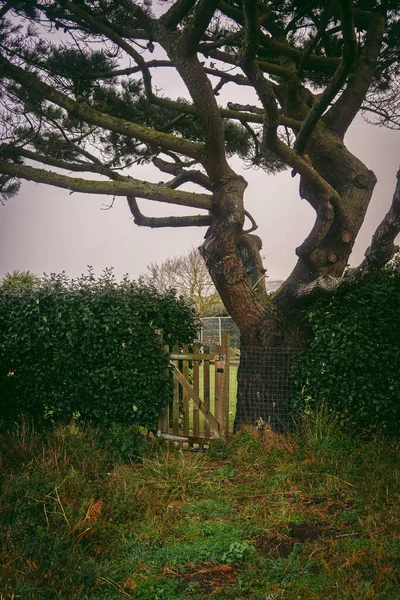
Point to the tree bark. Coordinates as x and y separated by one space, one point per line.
274 328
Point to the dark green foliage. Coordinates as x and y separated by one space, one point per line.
90 347
353 362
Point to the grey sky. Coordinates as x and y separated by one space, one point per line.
45 229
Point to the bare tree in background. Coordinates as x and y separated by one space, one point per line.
79 95
189 276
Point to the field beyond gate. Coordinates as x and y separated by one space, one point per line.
199 410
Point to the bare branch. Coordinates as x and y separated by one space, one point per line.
179 172
382 247
157 222
266 67
246 108
254 225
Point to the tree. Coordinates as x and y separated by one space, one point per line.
188 275
19 280
70 103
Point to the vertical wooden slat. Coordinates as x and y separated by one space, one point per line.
163 422
206 390
217 384
175 399
196 388
185 399
225 384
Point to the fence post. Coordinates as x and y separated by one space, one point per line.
185 396
206 391
163 420
175 400
196 388
222 384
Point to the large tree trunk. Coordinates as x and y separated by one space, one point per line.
264 375
274 328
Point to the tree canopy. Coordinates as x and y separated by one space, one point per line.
81 108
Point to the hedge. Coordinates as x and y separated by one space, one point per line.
89 347
352 365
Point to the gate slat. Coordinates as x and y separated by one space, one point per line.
206 392
196 399
185 395
196 389
175 401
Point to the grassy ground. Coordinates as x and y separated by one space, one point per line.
260 517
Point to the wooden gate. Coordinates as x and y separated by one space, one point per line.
199 409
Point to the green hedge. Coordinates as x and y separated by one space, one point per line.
352 365
90 347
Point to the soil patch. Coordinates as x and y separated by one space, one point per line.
208 576
274 546
305 532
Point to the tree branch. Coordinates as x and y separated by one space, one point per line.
324 199
151 64
196 27
137 11
341 114
309 49
380 252
117 39
157 222
336 82
261 85
150 136
81 167
382 247
178 11
200 89
159 193
181 175
320 63
266 67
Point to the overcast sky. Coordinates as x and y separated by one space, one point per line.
48 230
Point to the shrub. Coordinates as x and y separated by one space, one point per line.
353 362
89 347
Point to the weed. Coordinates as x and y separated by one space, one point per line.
319 430
286 570
174 475
237 552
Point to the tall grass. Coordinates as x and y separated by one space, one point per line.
311 515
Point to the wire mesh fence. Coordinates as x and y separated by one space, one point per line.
260 380
265 387
214 327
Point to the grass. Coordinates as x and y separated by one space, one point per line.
261 516
232 391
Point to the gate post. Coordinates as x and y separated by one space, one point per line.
222 384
